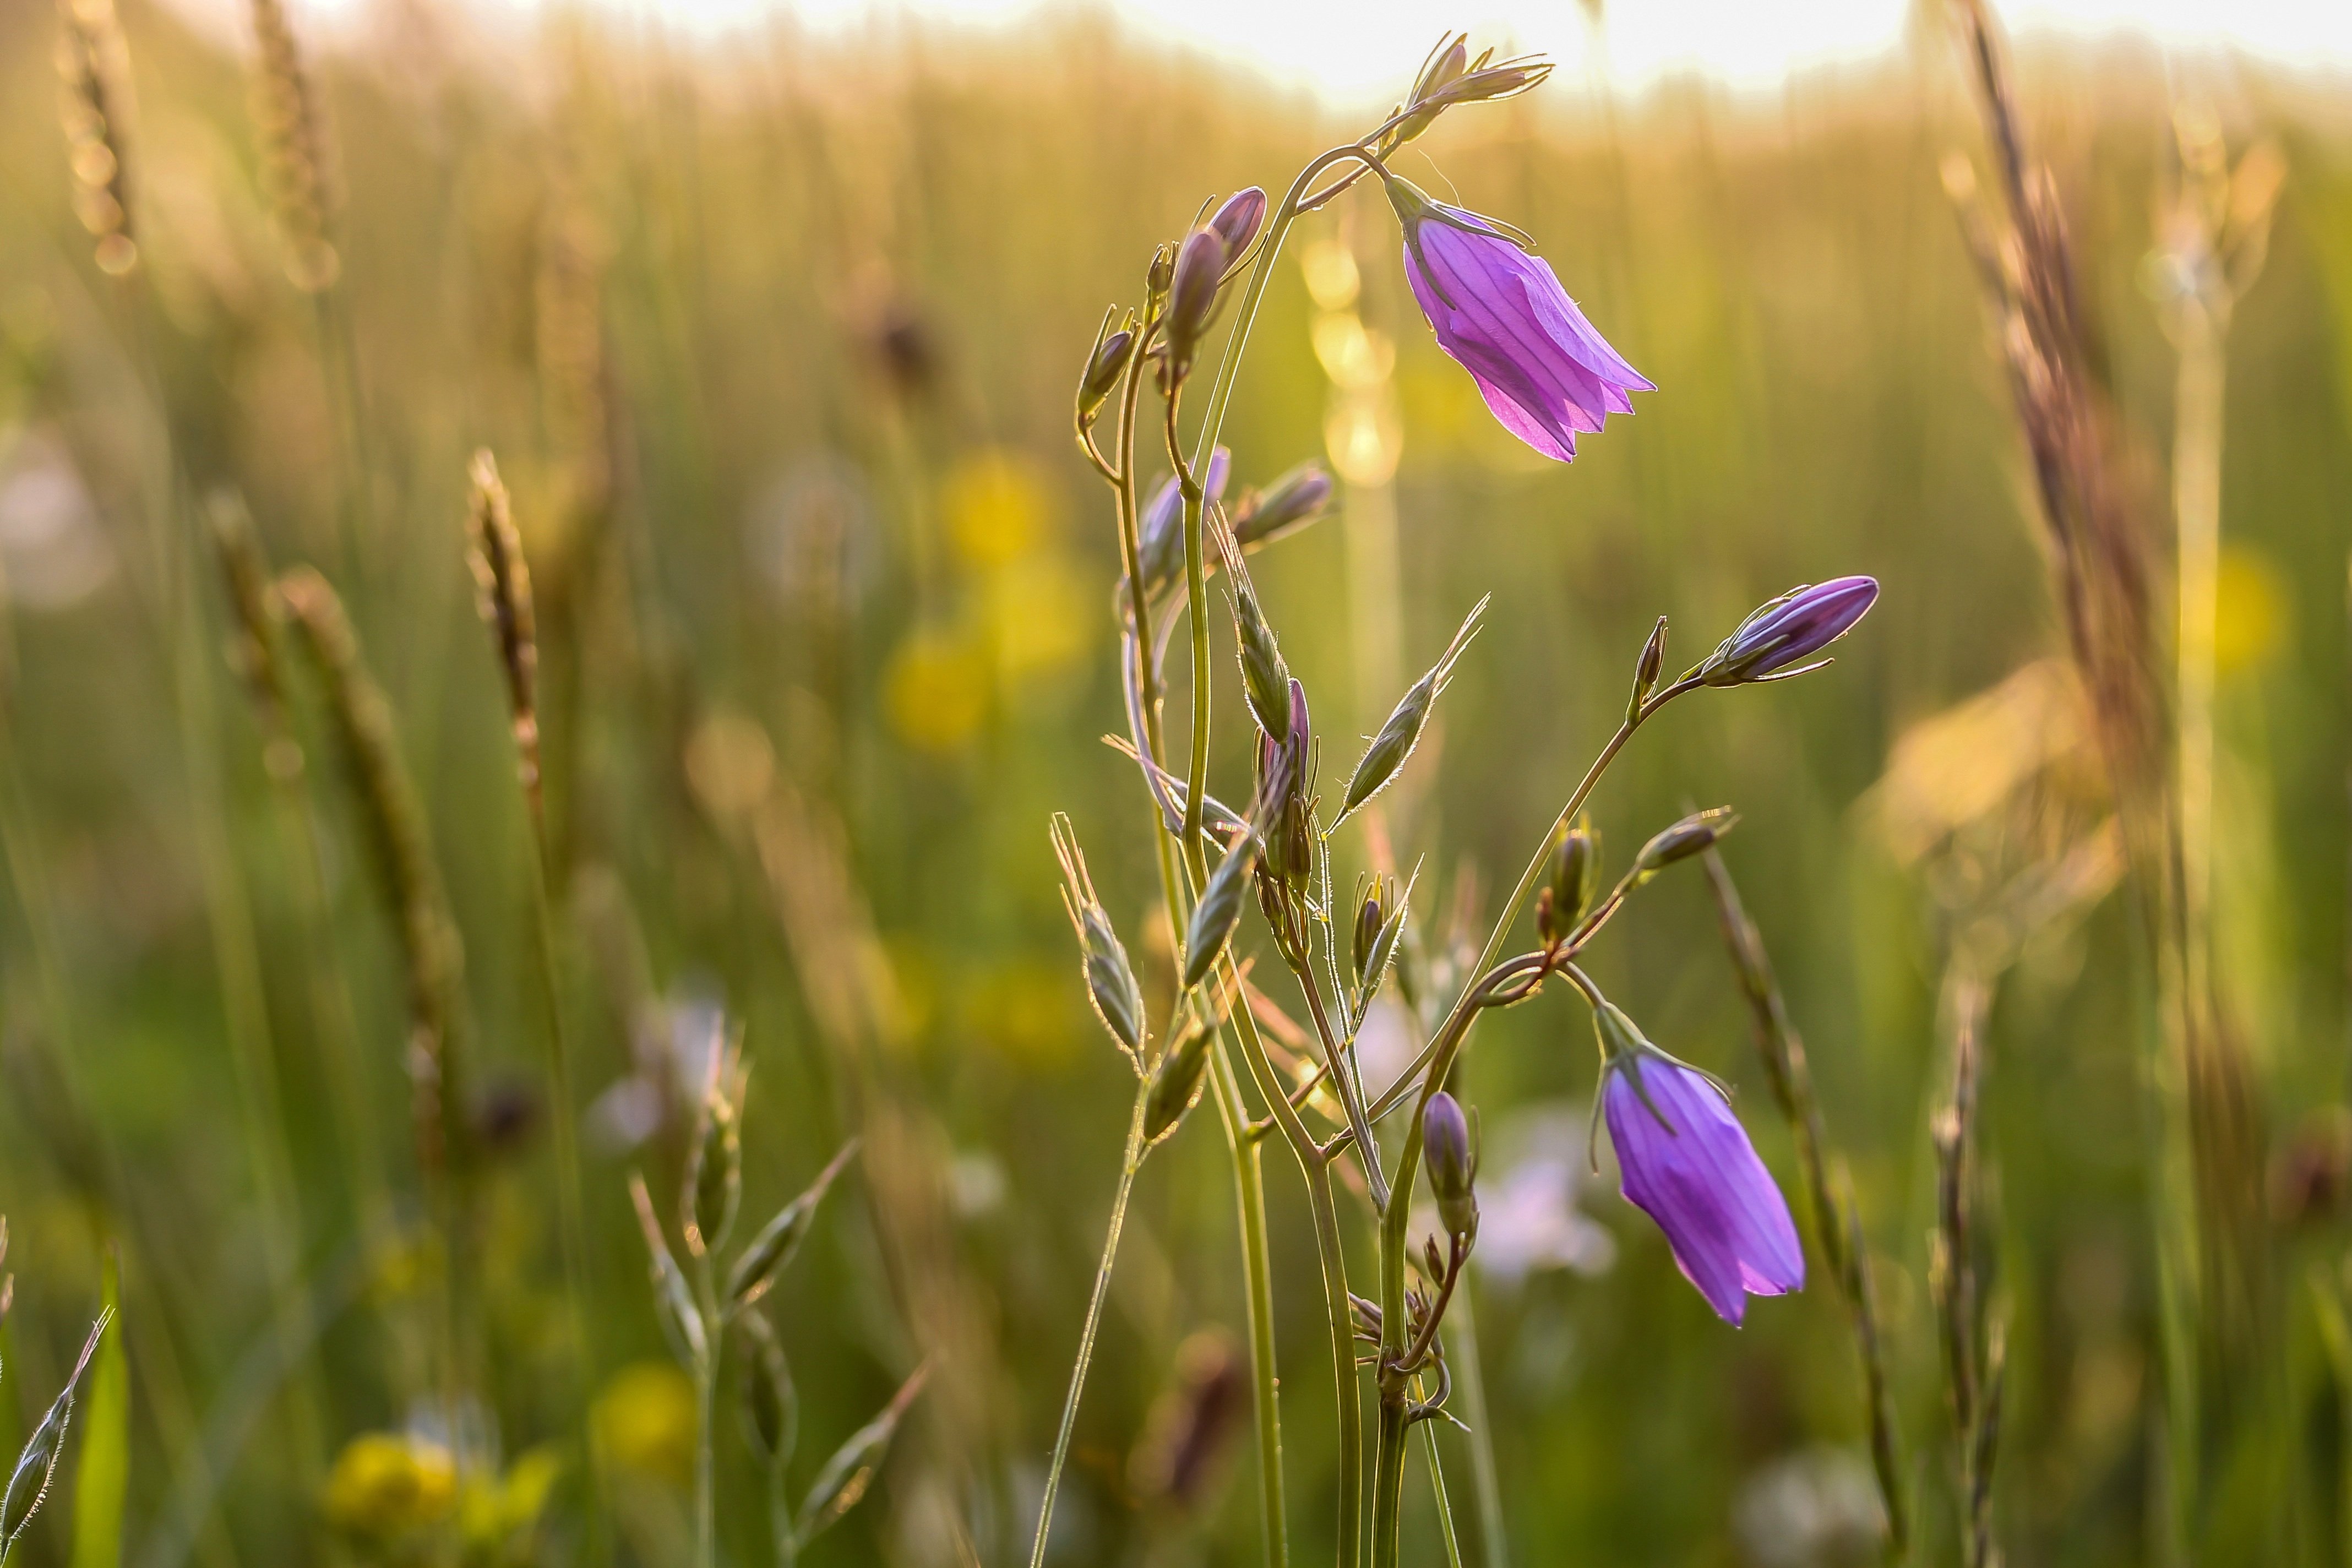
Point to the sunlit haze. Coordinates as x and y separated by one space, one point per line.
1351 52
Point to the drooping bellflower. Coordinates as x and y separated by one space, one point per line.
1686 1163
1501 313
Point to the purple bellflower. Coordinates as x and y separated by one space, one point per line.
1686 1163
1501 313
1792 627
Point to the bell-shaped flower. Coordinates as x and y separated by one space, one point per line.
1500 312
1685 1159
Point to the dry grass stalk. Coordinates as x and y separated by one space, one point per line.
503 586
1972 1330
1837 1222
430 947
297 171
95 107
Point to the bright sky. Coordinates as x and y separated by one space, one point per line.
1351 50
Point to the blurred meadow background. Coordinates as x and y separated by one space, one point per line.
773 339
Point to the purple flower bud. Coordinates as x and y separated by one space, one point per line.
1162 528
1103 371
1453 1160
1237 221
1502 314
1193 296
1794 626
1283 507
1687 1164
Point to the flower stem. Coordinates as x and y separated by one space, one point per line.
706 1383
1258 1270
1388 1481
1437 1059
1249 1177
1128 1164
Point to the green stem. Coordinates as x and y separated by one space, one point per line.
1130 1164
1438 1059
1341 1322
1444 1504
567 1164
1249 1177
706 1382
1470 1385
1257 1269
779 1518
1387 1480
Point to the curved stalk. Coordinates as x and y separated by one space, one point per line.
1444 1046
1128 1164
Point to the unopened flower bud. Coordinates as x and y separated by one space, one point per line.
1160 274
1162 526
714 1165
1369 919
1693 835
770 1405
1451 1154
1283 507
1237 221
1575 871
1103 371
1794 627
1219 911
1193 296
1264 677
1175 1084
1401 733
1647 669
1111 984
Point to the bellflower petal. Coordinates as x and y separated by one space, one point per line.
1502 314
1687 1162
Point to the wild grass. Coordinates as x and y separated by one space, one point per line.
333 1021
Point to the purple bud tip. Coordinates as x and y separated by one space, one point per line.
1687 1164
1237 221
1445 1141
1791 628
1193 296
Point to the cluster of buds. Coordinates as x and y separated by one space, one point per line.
1201 267
1286 804
1448 77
